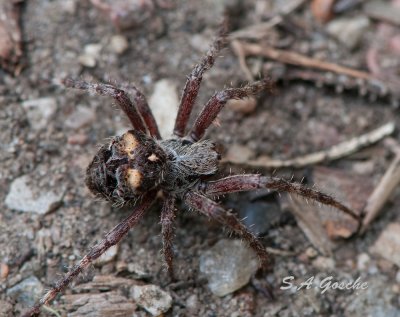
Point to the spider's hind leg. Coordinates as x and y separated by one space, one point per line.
213 210
237 183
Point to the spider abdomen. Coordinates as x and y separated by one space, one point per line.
126 168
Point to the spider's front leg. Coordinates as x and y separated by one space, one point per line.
193 81
237 183
213 210
139 113
218 101
111 238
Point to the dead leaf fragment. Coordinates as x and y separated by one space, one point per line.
322 10
10 36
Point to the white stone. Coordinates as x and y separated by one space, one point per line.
164 104
349 31
119 44
91 55
363 261
23 197
27 291
228 266
152 298
40 111
108 256
81 117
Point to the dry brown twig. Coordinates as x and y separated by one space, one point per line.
389 181
335 152
249 49
259 30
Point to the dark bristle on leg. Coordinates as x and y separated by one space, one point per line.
237 183
193 81
218 101
167 224
111 238
214 211
119 95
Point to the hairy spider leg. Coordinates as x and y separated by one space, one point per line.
144 109
168 214
247 182
119 95
193 81
112 238
218 101
214 211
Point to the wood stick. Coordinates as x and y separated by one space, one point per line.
335 152
297 59
389 181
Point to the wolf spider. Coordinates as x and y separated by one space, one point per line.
134 167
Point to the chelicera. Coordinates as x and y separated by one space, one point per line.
134 167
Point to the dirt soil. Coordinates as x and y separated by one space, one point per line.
165 42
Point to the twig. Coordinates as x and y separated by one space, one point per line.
335 152
389 181
258 31
293 58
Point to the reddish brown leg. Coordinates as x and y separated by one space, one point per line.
218 101
213 210
167 222
119 95
248 182
193 82
111 238
144 110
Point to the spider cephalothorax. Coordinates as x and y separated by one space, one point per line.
133 167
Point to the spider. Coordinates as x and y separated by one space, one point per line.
133 167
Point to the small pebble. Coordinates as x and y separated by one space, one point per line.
349 31
192 303
388 244
152 298
69 6
228 266
23 196
4 270
119 44
107 256
78 139
311 252
40 111
138 271
90 56
324 263
27 291
363 261
81 117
